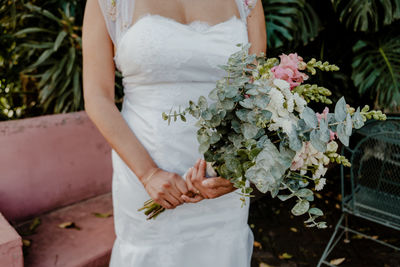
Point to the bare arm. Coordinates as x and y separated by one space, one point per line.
98 84
256 29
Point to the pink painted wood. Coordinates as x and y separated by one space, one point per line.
10 245
49 162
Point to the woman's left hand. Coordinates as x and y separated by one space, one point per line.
204 187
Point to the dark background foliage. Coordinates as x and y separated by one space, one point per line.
40 50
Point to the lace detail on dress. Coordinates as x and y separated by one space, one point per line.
249 5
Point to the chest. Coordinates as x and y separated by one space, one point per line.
156 45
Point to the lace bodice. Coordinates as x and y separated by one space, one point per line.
118 15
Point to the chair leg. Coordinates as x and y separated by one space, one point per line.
336 236
346 232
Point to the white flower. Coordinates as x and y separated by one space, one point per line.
320 171
281 84
277 99
332 147
284 123
300 103
319 184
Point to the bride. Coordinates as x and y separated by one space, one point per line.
168 52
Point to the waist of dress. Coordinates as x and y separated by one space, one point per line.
165 95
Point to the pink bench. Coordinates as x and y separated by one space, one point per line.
57 168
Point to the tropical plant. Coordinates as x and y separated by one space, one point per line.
290 21
376 69
53 46
367 15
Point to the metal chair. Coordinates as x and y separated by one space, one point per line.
374 191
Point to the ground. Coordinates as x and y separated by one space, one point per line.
283 240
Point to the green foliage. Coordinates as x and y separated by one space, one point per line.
367 15
290 21
53 49
376 70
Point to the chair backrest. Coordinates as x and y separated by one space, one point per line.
375 171
49 162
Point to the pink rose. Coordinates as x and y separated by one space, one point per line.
288 70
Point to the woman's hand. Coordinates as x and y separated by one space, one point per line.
205 187
165 188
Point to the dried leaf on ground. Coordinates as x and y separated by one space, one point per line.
34 224
102 215
257 245
285 256
263 264
69 225
26 242
337 261
357 236
293 229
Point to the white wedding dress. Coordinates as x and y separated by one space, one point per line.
165 64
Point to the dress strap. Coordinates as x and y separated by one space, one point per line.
245 7
118 17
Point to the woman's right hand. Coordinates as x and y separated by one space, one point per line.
165 188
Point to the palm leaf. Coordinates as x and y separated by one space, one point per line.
367 15
290 20
376 70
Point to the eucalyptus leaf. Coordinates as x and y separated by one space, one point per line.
285 197
301 207
340 110
316 211
202 102
341 133
349 125
252 92
242 114
228 104
249 130
247 103
294 140
357 119
324 131
203 148
304 192
310 118
315 138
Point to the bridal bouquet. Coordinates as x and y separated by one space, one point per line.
259 128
